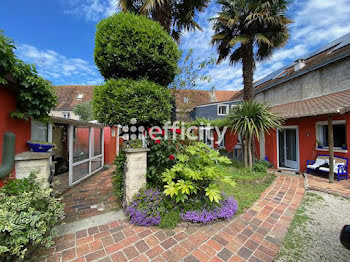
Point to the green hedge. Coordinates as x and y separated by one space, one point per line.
119 101
132 46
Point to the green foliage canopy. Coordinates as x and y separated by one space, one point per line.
35 96
132 46
119 101
84 110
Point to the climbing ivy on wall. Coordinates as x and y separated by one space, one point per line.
36 96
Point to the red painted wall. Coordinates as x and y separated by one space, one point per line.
20 128
307 139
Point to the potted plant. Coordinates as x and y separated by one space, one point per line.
319 144
39 146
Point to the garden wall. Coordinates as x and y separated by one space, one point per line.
20 128
307 140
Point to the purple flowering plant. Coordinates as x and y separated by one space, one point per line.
150 205
225 210
146 208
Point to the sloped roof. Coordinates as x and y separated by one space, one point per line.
67 96
336 103
335 50
224 95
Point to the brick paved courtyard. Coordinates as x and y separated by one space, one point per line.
91 197
321 183
253 236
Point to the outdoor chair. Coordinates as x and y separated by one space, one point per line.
321 164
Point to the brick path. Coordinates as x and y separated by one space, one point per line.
91 197
253 236
321 183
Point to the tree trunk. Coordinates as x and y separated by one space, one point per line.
248 66
331 149
250 157
245 151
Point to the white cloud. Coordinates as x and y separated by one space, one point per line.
91 10
58 68
316 22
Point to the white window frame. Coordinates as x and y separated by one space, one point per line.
223 143
66 113
218 109
80 96
186 100
33 125
319 131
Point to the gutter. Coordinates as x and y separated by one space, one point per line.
302 72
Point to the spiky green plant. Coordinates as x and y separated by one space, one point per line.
174 16
249 30
250 119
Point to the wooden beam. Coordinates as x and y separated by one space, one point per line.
331 149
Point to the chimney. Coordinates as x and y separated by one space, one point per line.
299 64
212 94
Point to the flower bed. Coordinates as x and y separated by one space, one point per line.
150 206
226 210
182 185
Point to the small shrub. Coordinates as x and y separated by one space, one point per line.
135 47
260 167
196 173
225 210
118 175
119 101
28 213
170 219
147 208
263 162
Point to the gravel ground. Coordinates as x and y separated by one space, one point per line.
314 233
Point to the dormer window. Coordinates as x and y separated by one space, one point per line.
80 96
186 100
223 110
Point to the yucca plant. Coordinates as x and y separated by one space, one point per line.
250 119
249 30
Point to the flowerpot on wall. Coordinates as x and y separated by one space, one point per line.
39 147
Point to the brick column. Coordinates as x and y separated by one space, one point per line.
135 171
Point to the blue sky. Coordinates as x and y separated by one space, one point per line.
58 36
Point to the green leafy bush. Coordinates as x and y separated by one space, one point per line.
36 96
196 173
28 213
118 175
259 167
119 101
170 219
135 47
162 156
84 110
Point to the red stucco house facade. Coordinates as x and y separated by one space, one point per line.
305 93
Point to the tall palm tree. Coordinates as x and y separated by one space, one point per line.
175 16
251 119
249 30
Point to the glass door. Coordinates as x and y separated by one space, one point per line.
291 148
288 148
